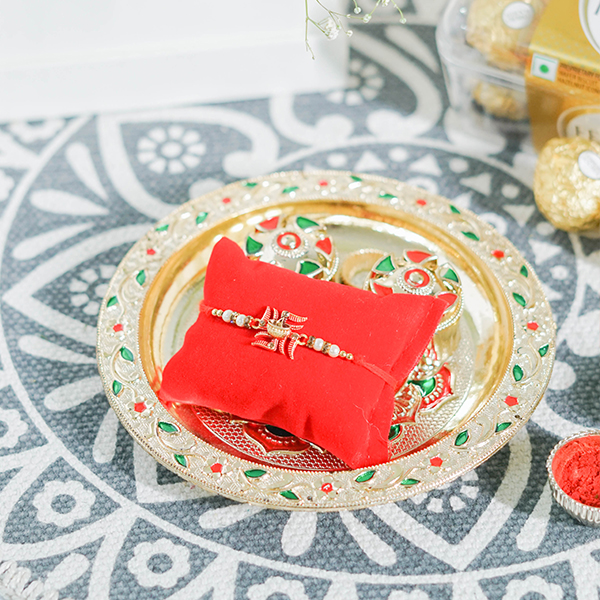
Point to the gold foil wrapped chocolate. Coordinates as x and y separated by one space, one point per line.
567 183
502 29
501 102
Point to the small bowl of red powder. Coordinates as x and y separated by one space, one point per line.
574 472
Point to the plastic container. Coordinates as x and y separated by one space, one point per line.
487 98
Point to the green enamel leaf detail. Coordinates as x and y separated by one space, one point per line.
454 209
451 274
201 218
290 189
502 426
365 476
461 438
250 184
519 299
471 235
426 385
544 350
518 372
307 267
141 277
126 354
386 196
117 386
252 246
111 301
409 481
394 432
181 459
524 271
305 223
254 473
289 495
386 265
162 228
355 178
168 427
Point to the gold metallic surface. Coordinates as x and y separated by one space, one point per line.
501 102
502 46
569 199
357 266
362 211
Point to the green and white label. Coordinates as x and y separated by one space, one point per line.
518 15
544 67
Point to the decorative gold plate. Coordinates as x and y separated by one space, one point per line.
498 372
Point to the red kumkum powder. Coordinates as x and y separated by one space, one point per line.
576 468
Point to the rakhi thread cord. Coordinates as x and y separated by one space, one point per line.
279 332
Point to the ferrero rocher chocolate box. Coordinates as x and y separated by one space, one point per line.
563 72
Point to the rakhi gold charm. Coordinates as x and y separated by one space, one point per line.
278 332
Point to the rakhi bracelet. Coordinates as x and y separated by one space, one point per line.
279 332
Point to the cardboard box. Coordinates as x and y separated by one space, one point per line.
563 72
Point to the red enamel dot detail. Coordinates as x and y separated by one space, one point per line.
216 468
327 487
118 327
532 325
288 240
151 251
139 407
511 401
421 202
323 183
436 461
226 200
270 223
417 256
498 254
325 245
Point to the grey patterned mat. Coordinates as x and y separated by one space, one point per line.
84 513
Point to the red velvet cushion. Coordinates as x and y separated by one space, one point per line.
337 404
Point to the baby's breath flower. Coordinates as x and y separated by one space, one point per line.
331 28
333 23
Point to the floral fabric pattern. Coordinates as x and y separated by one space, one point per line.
85 512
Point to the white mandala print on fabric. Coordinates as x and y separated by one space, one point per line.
466 491
12 427
161 563
89 288
292 588
74 500
36 132
364 84
172 149
7 183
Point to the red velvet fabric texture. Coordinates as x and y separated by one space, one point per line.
333 402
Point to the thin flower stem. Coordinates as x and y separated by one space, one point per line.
333 23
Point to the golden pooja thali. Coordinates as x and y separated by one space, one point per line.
478 382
